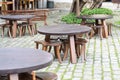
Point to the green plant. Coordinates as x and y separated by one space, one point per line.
96 11
71 19
117 22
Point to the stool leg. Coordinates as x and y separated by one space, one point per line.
78 50
101 33
2 31
37 45
82 53
66 51
20 34
33 75
84 45
50 47
57 52
44 48
9 32
29 30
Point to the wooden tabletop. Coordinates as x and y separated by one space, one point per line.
16 17
64 29
20 60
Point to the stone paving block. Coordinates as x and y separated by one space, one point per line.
76 78
78 74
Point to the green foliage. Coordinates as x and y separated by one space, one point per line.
117 22
71 17
96 11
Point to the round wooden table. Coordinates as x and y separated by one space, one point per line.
13 20
65 29
96 17
20 60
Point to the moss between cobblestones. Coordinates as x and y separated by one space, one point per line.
101 61
116 52
110 61
73 71
93 58
83 71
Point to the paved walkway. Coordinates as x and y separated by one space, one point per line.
103 56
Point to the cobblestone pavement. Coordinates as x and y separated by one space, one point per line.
103 56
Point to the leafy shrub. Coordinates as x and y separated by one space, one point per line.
117 22
71 17
96 11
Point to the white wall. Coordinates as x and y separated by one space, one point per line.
69 1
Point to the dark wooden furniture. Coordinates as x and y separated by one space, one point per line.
47 76
5 5
80 48
116 1
100 19
21 60
40 14
65 29
13 20
4 26
52 43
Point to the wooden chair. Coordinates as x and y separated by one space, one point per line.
56 44
5 5
27 4
80 48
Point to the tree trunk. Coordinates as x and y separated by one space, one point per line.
78 5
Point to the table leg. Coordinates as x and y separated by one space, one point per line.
72 49
13 76
14 29
105 30
47 38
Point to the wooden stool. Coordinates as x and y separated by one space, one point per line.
54 43
109 25
80 48
8 26
46 76
92 25
99 27
22 29
32 29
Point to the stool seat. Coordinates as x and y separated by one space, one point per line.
47 76
56 44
